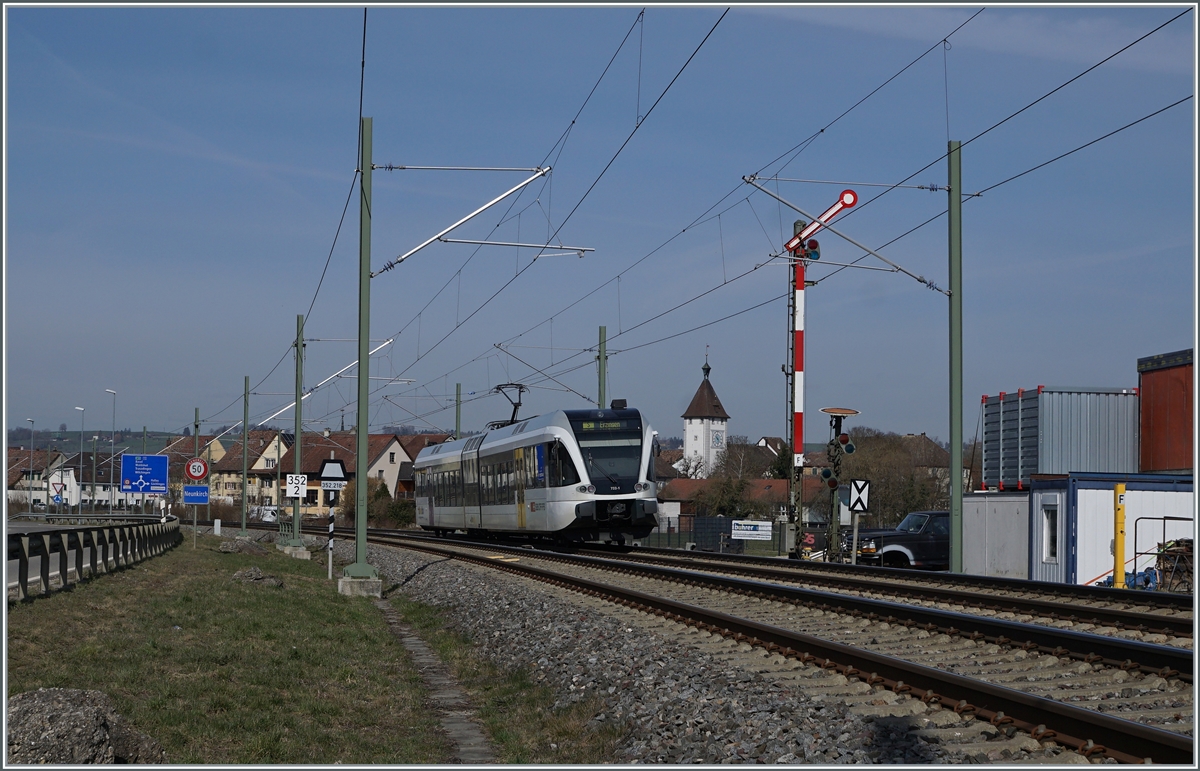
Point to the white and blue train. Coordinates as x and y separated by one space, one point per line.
570 475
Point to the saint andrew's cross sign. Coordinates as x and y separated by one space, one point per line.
859 490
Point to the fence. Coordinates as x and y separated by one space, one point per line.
712 534
107 548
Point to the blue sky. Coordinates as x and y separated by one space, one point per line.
175 179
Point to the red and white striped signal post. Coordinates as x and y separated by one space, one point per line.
804 249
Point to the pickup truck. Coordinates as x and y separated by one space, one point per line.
921 540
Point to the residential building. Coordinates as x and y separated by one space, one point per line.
384 452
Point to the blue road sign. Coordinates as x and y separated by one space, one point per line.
58 499
197 494
144 474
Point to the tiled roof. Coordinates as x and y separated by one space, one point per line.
19 461
706 403
775 444
339 445
663 468
926 452
414 443
232 459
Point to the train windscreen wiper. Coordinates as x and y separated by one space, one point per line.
592 462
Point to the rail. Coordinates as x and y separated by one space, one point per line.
1070 726
108 547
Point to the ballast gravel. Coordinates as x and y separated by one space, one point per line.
677 702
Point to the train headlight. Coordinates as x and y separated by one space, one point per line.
586 488
639 487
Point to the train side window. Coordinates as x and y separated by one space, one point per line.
562 468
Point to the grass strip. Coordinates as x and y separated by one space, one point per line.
222 671
517 714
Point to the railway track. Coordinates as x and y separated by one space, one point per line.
1101 696
1103 615
1159 603
1108 697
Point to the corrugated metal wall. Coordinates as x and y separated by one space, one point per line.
1010 447
1088 430
1058 431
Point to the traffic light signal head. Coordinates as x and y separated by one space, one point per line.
813 249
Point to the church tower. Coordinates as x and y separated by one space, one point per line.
704 424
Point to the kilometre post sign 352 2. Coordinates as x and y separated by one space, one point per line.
297 485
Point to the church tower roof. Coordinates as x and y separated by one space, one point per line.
706 403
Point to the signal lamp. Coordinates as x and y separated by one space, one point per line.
843 439
813 248
826 474
833 483
849 448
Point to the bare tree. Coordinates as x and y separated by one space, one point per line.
692 467
907 473
742 460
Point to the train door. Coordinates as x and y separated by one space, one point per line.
470 472
519 484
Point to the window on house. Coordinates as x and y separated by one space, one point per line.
391 457
1050 534
381 474
270 463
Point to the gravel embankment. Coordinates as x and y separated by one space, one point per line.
679 703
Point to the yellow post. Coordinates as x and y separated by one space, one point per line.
1119 537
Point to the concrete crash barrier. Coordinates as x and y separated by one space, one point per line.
67 726
65 555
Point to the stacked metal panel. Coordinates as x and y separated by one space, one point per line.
1053 430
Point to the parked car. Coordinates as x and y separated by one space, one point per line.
921 540
265 513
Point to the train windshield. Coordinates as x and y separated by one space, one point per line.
612 452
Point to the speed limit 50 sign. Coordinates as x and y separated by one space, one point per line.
196 469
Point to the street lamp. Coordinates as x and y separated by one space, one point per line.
30 486
81 411
112 453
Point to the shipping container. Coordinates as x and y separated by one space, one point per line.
1054 430
1166 385
1072 523
995 534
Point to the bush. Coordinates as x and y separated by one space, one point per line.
382 509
